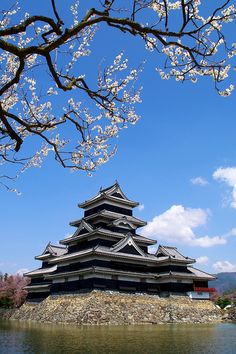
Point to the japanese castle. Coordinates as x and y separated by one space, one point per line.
106 252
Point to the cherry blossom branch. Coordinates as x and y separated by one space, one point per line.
191 45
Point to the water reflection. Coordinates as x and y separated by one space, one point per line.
20 337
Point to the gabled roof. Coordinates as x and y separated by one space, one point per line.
123 220
128 240
164 255
41 271
105 251
157 276
113 193
40 287
192 273
52 250
110 215
105 270
83 225
115 188
173 253
84 229
108 234
200 274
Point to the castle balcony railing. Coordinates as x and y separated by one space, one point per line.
202 290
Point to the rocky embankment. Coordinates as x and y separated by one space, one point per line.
97 308
6 313
232 314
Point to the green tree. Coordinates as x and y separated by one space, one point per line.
223 302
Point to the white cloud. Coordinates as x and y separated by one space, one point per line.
21 271
228 175
207 241
200 181
177 225
140 207
233 232
202 260
224 266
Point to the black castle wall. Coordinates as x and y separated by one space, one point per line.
108 207
119 285
121 266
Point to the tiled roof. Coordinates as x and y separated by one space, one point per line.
200 273
136 237
41 271
192 274
101 250
108 251
173 253
52 250
110 215
114 215
108 193
36 287
101 231
107 189
104 270
128 240
58 251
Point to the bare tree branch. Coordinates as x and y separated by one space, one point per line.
191 45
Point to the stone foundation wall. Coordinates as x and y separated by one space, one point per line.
6 313
99 307
232 314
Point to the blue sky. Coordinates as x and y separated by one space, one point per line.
186 132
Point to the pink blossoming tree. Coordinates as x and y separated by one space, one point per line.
12 293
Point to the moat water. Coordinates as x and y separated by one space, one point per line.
21 337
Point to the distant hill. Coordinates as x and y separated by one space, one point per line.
225 282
